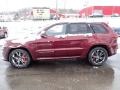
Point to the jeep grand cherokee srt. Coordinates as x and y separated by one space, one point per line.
94 41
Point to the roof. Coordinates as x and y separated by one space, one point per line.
75 21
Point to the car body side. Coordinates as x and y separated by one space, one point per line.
54 48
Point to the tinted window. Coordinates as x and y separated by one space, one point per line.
56 30
78 28
98 28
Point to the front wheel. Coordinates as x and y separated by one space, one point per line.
19 58
97 56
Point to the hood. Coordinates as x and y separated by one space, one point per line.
24 35
23 38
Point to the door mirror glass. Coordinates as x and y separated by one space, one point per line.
43 34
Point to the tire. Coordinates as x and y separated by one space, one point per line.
19 58
97 56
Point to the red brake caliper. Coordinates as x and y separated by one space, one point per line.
24 58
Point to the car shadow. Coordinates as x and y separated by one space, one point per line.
60 75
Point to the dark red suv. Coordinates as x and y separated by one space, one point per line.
94 41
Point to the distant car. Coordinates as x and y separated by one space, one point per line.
93 41
96 15
115 15
3 32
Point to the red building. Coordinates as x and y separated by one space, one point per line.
100 10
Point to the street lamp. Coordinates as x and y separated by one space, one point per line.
86 5
56 4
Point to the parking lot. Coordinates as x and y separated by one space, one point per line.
61 75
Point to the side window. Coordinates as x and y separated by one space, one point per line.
98 28
56 30
78 28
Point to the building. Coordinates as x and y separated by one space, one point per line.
100 11
41 13
6 17
37 13
45 13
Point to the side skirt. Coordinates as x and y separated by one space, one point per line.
51 58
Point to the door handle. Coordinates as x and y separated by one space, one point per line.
60 37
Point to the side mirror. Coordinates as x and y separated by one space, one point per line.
43 34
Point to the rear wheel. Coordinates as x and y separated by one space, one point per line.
97 56
19 58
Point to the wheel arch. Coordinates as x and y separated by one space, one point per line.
19 48
103 46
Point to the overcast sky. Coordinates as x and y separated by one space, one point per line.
12 5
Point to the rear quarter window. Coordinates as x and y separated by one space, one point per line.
98 28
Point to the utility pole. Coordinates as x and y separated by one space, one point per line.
64 6
56 7
86 5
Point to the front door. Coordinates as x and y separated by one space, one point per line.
45 47
60 44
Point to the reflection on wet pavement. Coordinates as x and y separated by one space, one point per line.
3 82
114 62
65 75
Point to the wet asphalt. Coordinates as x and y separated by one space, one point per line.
62 75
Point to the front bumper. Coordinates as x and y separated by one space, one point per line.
5 53
3 50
